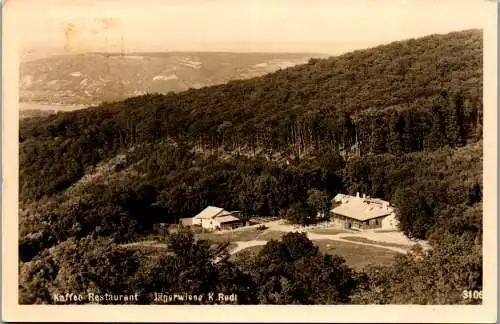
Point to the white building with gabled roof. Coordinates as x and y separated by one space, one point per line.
214 218
363 212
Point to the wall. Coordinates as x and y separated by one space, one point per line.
375 223
186 221
209 224
213 224
372 223
231 225
345 221
390 222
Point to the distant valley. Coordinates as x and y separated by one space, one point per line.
75 80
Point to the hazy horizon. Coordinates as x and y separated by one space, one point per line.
273 26
39 52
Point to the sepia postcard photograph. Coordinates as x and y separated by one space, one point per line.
249 161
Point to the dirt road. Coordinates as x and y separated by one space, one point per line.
393 241
245 244
241 245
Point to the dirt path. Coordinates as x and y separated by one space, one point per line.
384 238
145 244
338 237
394 237
241 245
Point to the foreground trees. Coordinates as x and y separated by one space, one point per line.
293 271
290 271
440 276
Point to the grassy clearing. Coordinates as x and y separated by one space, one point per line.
245 235
357 256
270 235
247 254
385 231
146 249
231 246
329 231
241 235
365 240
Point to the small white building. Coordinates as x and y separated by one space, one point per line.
363 212
215 218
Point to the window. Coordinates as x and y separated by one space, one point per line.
376 222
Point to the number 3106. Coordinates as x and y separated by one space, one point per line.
472 294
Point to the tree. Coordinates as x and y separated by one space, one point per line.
233 280
191 267
416 209
293 271
319 202
438 276
299 213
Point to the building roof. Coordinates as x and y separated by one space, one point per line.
338 197
227 219
212 212
377 201
224 213
209 213
362 209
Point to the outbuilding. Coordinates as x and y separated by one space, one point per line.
215 218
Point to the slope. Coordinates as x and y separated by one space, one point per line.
420 94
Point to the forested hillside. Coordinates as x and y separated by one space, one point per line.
403 97
401 121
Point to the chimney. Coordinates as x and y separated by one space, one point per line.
364 196
357 194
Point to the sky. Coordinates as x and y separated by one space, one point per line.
319 26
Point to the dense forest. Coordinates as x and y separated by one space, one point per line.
402 122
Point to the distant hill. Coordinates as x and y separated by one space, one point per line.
91 78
